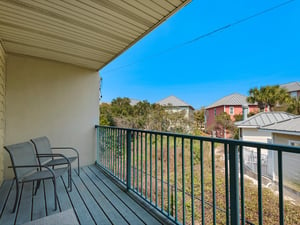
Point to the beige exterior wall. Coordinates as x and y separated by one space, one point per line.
2 108
54 99
253 134
285 138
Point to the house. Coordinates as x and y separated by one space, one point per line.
286 132
249 129
232 105
293 88
175 104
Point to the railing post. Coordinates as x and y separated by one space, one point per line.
128 159
234 185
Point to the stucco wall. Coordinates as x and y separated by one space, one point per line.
2 108
253 134
54 99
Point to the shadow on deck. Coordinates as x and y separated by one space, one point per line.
95 199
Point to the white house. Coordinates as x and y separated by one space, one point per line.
287 132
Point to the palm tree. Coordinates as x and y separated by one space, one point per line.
294 106
268 96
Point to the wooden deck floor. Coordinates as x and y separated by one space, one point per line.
95 199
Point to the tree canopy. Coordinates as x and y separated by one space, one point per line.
268 96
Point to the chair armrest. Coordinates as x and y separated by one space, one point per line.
54 155
67 148
35 166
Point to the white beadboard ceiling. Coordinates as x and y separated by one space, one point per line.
87 33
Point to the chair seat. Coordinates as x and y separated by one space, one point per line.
60 161
44 174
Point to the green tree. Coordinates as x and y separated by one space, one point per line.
141 113
199 117
224 123
121 107
268 96
294 106
106 118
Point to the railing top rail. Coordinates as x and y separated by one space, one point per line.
275 147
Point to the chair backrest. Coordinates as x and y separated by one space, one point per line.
42 146
22 154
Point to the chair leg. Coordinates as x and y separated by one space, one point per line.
78 166
17 196
70 178
38 184
55 194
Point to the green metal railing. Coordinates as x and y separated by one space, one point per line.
189 179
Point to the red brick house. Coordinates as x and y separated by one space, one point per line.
232 105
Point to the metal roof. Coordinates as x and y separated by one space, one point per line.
174 101
233 99
264 118
290 87
87 33
287 126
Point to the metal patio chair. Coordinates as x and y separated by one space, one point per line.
27 169
48 158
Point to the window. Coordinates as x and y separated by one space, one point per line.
231 110
294 94
215 112
294 143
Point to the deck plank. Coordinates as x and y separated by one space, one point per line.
139 211
24 211
79 206
8 218
106 205
95 199
91 203
39 205
63 197
4 192
123 209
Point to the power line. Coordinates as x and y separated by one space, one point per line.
243 20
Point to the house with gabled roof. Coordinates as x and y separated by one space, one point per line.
231 104
293 88
249 129
175 104
286 132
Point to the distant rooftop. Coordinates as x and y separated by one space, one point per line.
233 99
292 86
133 102
174 101
289 126
264 119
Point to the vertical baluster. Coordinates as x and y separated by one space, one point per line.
146 166
226 183
260 209
128 160
142 155
242 185
156 188
192 180
133 161
162 171
213 182
202 184
280 183
168 172
183 181
175 180
137 160
151 168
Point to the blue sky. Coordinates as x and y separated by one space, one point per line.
261 51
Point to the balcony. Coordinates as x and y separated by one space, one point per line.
95 199
151 177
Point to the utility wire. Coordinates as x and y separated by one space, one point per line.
243 20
